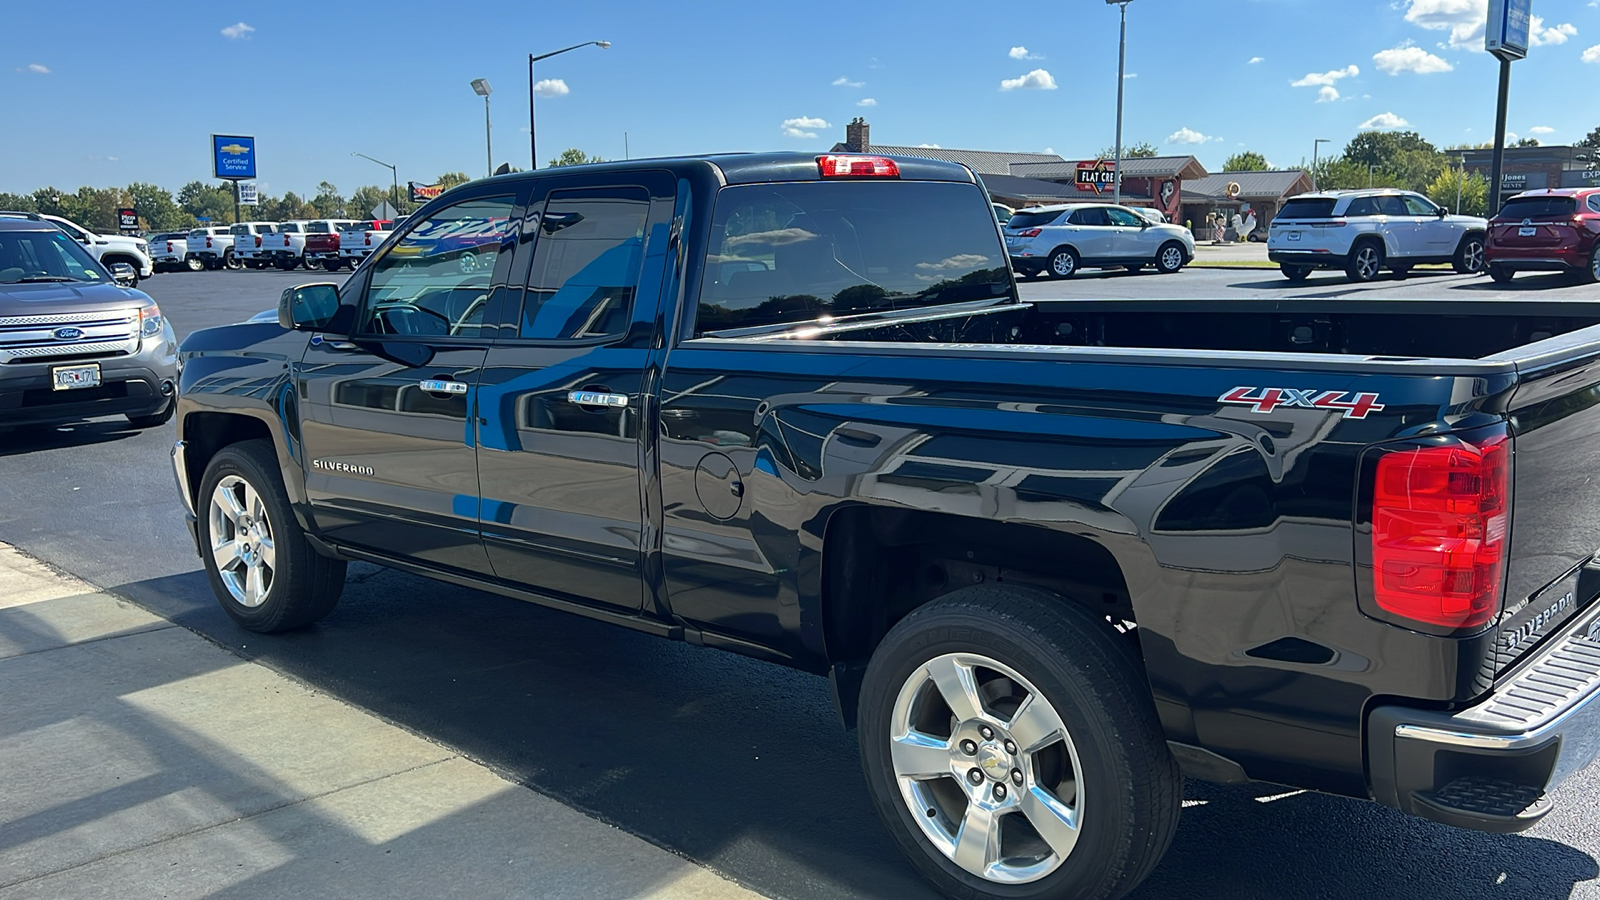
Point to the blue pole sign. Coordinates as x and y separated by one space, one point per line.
233 157
1508 26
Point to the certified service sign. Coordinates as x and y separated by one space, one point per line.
1506 35
232 156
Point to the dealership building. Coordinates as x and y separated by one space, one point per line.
1535 168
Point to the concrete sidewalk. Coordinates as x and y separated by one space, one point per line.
138 759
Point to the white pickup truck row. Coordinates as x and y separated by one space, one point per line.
331 243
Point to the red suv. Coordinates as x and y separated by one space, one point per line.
1548 231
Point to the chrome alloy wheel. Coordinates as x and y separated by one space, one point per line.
1594 263
1367 262
1064 264
1172 259
986 766
241 541
1472 256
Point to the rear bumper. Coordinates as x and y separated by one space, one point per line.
1490 767
1305 258
1536 259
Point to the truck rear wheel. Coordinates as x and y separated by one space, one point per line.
262 569
1012 749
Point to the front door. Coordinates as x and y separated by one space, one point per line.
389 438
563 397
1131 236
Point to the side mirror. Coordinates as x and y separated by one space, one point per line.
1444 211
124 274
308 307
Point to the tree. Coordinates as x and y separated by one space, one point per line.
1592 141
17 202
1527 142
156 208
201 200
1141 150
1464 193
1336 173
328 201
572 156
1379 148
448 180
1248 161
365 199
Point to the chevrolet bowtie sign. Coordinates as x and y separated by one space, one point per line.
233 157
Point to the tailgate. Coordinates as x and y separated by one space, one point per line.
1555 505
1535 233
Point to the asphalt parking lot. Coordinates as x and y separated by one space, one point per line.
730 762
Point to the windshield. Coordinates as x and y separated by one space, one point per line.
1519 208
1027 219
782 253
289 227
28 257
319 228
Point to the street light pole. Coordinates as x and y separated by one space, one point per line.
1315 146
533 146
480 86
394 175
1122 62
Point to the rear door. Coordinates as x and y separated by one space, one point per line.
564 396
1089 229
390 446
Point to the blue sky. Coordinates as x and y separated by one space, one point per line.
106 93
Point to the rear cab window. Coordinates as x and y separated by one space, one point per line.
1594 203
1027 219
1309 208
1538 208
798 251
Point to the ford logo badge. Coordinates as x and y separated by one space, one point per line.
68 334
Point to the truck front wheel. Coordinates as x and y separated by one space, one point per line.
1012 749
262 569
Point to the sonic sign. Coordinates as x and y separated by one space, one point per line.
233 157
1098 175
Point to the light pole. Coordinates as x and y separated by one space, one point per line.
1122 62
533 146
394 174
1315 146
480 86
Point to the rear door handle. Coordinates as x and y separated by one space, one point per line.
596 398
436 386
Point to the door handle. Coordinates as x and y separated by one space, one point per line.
436 386
596 398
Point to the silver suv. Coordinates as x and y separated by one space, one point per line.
1058 241
1364 232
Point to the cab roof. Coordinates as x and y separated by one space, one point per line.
756 168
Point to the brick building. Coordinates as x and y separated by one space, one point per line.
1535 168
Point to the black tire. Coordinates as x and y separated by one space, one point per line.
308 262
1469 256
1295 274
332 265
155 420
1135 269
1090 676
1500 274
1592 274
1063 263
305 586
1365 262
1169 258
194 263
229 261
1400 271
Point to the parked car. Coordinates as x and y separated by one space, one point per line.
168 250
1364 232
74 342
107 248
1059 241
1153 216
211 247
248 241
1003 213
1051 555
360 239
1546 231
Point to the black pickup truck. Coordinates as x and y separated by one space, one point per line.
1050 555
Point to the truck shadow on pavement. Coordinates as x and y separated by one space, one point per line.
742 766
29 438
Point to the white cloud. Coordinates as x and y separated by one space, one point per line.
1037 80
843 81
1540 36
1541 129
237 30
1406 58
930 146
1326 79
551 87
1327 94
1464 19
1384 120
1022 53
1253 60
866 101
799 127
1592 55
1512 137
1131 75
36 69
1190 136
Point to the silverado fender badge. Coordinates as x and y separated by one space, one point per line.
1265 400
329 465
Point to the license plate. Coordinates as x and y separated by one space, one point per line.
1527 232
67 378
1292 236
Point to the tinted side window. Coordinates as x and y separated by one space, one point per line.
586 260
1309 208
1362 206
1594 203
1393 206
435 281
1124 219
1417 206
1094 216
1027 219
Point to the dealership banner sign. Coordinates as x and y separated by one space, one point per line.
1098 175
422 193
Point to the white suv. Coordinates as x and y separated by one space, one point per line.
1364 232
109 248
1060 240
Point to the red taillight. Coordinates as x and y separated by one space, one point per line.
1439 532
208 240
169 246
848 166
1029 232
369 239
258 240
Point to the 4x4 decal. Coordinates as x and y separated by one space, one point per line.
1265 400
